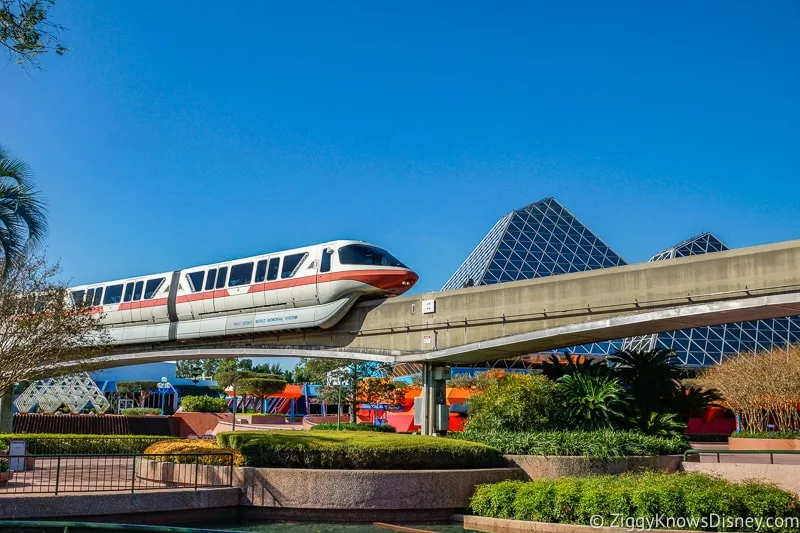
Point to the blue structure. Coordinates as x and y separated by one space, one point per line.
545 239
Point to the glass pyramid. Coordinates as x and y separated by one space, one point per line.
701 347
538 240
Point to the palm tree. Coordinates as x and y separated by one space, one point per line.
651 377
23 221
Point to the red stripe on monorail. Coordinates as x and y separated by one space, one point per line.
381 279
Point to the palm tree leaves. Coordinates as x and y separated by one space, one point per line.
593 402
651 376
23 219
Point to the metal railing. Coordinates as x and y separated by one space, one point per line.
59 473
771 453
39 526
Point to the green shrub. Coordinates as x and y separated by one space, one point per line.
599 443
45 444
203 404
766 435
694 496
592 402
140 411
513 402
181 450
357 450
344 426
706 437
3 465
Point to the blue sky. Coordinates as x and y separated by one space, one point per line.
180 133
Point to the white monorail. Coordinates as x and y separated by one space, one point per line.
310 287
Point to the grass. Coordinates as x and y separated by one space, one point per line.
358 450
57 443
593 444
766 435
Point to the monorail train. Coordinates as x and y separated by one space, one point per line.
310 287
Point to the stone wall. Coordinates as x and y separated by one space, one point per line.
549 466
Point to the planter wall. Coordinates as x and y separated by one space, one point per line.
182 475
552 467
735 443
345 490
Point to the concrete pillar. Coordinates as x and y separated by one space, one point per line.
434 382
6 413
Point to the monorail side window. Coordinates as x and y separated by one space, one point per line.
272 271
77 298
362 254
195 280
211 279
325 264
89 297
291 264
113 294
128 292
223 273
152 286
261 271
241 274
98 296
137 290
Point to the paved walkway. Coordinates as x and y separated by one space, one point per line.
88 474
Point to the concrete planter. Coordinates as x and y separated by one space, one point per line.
182 475
735 443
307 490
553 467
6 476
503 525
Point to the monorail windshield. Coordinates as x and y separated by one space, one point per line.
362 254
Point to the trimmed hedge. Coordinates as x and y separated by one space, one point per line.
203 404
140 411
213 454
575 500
357 451
600 443
42 444
345 426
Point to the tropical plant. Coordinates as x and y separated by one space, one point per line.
573 364
203 404
592 402
650 376
23 222
512 402
689 400
660 425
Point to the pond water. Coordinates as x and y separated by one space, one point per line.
321 527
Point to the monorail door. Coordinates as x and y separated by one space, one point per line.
324 285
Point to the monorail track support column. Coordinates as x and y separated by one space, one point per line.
434 417
6 413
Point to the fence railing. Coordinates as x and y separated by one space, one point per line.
55 474
718 453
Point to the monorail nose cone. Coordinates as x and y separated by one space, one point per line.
397 282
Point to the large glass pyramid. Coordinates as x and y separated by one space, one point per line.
701 347
541 239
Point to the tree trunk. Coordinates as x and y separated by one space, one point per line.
353 392
6 414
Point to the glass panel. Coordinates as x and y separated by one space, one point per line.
272 271
241 274
128 292
152 287
325 266
211 279
221 275
137 290
291 263
113 294
195 280
98 297
261 271
77 298
363 254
